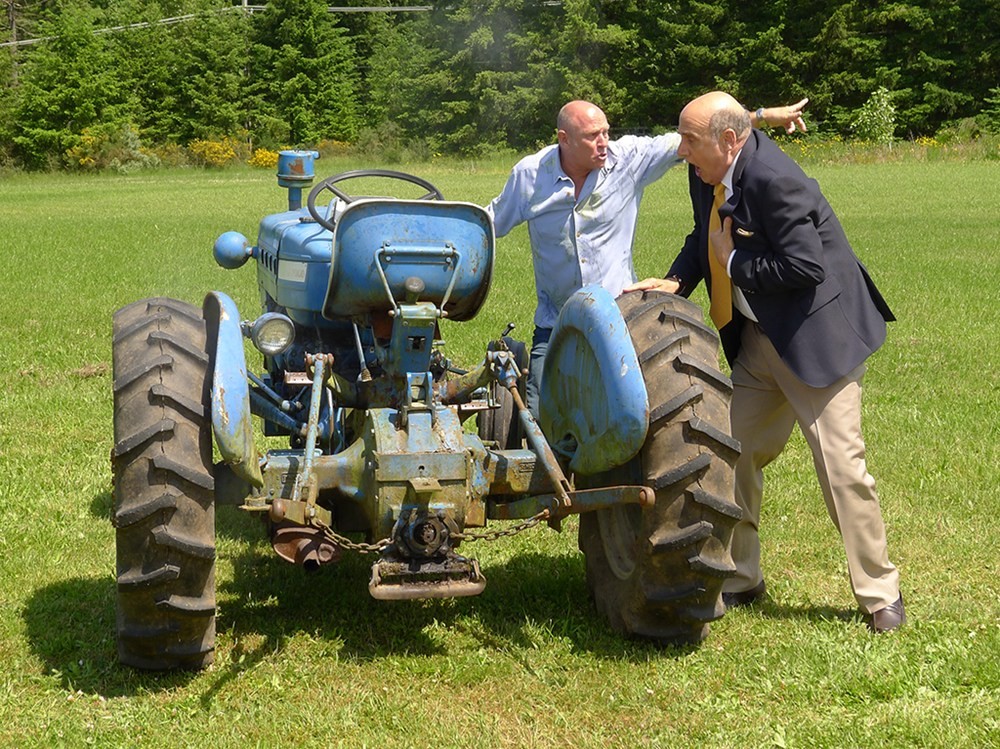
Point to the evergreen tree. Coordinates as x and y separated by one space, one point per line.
405 77
66 85
210 80
302 73
471 74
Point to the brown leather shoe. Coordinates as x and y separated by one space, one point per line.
891 617
736 598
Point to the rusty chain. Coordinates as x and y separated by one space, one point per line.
378 546
346 543
501 532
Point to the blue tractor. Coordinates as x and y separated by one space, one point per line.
381 457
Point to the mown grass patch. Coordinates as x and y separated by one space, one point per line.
315 661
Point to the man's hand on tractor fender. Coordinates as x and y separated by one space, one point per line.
654 284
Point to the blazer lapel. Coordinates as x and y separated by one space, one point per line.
746 154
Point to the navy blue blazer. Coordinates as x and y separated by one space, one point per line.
813 298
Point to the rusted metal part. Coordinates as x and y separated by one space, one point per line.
345 392
341 475
499 365
478 484
433 445
306 482
453 577
582 500
417 238
304 546
496 533
503 365
296 511
536 439
514 472
295 172
346 543
460 389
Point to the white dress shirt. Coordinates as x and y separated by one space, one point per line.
576 242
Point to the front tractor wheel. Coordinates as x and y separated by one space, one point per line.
657 572
164 511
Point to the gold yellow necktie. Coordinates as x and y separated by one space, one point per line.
721 310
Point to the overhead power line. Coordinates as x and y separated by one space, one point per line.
246 7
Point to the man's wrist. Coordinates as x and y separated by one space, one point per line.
759 114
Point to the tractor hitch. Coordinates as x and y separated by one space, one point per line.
453 576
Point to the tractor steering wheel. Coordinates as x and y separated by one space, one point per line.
328 185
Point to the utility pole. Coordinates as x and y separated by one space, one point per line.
12 21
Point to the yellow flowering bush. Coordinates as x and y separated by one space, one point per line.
215 153
82 154
264 159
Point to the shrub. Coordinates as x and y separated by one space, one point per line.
384 141
961 131
216 153
264 159
330 148
876 120
172 155
110 146
990 116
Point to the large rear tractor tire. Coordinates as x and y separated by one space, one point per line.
164 511
657 572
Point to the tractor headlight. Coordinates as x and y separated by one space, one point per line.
272 333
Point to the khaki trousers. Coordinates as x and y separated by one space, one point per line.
768 399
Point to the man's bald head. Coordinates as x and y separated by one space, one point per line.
583 139
576 111
713 129
717 112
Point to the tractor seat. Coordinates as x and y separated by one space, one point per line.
379 243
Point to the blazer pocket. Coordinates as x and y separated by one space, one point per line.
819 296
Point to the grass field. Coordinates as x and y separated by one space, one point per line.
312 661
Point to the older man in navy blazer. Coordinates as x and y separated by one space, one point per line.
798 316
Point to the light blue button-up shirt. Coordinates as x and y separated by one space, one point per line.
587 241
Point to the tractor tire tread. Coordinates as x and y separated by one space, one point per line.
146 579
164 512
140 511
657 572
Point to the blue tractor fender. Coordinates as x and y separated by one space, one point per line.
231 419
593 404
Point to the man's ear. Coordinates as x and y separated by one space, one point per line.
729 138
562 137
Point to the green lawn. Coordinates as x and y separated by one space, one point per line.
315 661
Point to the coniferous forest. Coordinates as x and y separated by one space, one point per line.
465 76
